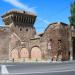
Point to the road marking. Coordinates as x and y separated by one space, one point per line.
45 72
10 65
4 69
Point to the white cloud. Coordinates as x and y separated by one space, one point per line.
20 5
43 20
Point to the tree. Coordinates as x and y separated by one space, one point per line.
72 17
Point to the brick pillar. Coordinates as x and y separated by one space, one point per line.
70 44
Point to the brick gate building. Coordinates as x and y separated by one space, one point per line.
22 43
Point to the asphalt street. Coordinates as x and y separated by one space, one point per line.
65 68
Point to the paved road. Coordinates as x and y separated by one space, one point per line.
38 68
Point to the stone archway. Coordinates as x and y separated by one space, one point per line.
24 53
14 54
36 54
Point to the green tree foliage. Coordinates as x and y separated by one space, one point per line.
72 17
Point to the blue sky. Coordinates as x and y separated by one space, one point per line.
47 11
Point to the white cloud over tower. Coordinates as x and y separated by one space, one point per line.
20 5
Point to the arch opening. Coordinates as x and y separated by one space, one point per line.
36 54
24 54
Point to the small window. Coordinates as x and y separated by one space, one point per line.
20 29
59 40
50 39
26 29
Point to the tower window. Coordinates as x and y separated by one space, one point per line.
50 39
20 29
26 29
59 41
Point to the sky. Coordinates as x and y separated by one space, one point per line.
47 11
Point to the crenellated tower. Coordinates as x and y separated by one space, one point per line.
21 22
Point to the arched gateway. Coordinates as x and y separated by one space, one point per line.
36 54
24 54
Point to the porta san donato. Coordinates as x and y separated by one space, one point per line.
19 41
